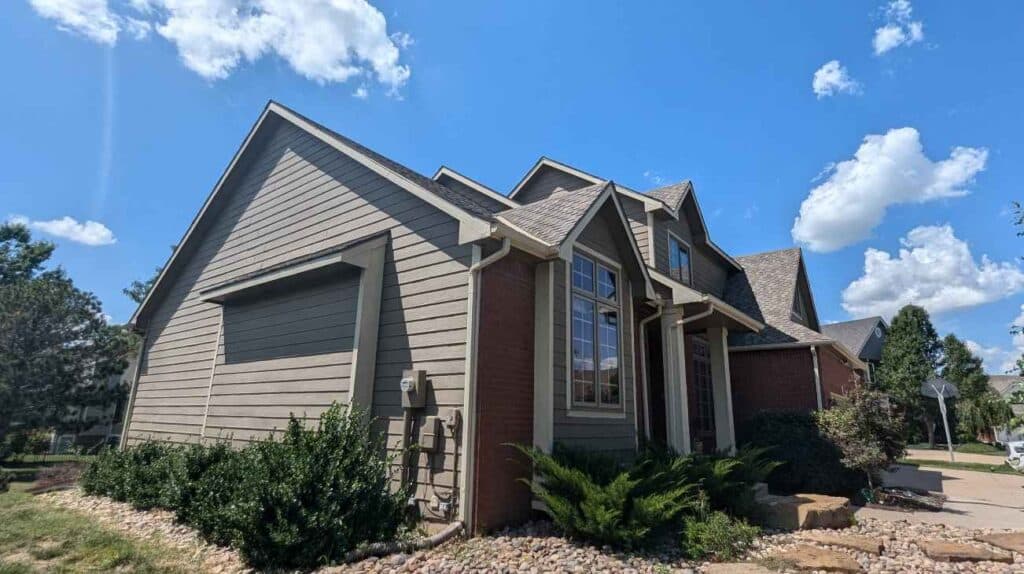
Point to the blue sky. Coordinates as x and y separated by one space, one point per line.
102 124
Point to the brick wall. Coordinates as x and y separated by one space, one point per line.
836 377
504 380
771 380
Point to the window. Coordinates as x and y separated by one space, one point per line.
595 334
678 260
799 309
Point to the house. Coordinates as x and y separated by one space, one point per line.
1006 386
864 337
574 310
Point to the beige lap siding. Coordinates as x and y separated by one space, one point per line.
292 197
616 436
283 354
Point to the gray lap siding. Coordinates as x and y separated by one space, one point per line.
295 196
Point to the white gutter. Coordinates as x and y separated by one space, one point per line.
469 396
817 375
643 366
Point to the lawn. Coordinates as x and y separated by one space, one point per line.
967 448
38 537
975 466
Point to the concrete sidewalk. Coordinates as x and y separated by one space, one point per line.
943 455
976 499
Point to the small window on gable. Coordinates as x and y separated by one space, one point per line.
799 306
678 260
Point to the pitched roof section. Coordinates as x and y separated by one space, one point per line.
450 178
854 334
553 219
672 195
1005 385
765 290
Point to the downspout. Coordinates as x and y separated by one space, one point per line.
643 366
817 375
469 396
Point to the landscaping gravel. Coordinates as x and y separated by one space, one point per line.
536 548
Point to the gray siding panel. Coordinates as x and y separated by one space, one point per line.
612 435
709 274
636 215
545 182
291 197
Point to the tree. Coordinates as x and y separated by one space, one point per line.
979 407
866 429
56 349
909 357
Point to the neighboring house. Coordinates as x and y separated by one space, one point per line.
790 364
863 337
573 311
1006 386
98 426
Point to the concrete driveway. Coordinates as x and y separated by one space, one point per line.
943 455
976 499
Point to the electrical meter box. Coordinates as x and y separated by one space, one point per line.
430 434
414 389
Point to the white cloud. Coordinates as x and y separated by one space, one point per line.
832 78
886 170
323 40
91 18
92 233
361 92
654 177
933 269
899 29
996 360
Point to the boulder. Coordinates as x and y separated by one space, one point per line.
850 541
1013 541
807 557
804 511
946 551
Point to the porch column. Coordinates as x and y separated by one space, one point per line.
677 408
725 432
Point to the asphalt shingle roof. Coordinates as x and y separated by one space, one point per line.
552 219
765 290
852 334
467 200
1005 384
671 195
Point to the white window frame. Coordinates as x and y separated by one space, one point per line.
596 409
668 251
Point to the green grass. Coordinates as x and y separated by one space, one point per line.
967 448
36 536
975 466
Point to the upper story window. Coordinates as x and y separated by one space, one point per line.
596 357
678 260
799 307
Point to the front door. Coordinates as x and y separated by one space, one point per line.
701 396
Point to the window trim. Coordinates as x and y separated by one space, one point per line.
595 409
668 251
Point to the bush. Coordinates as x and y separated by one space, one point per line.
626 508
867 431
712 534
811 463
5 480
296 503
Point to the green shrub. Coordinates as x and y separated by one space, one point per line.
811 463
296 503
711 534
626 510
867 431
317 494
5 480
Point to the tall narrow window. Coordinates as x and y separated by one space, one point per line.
678 260
595 334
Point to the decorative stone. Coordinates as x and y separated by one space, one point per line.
807 557
946 551
1013 541
736 568
850 541
805 511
